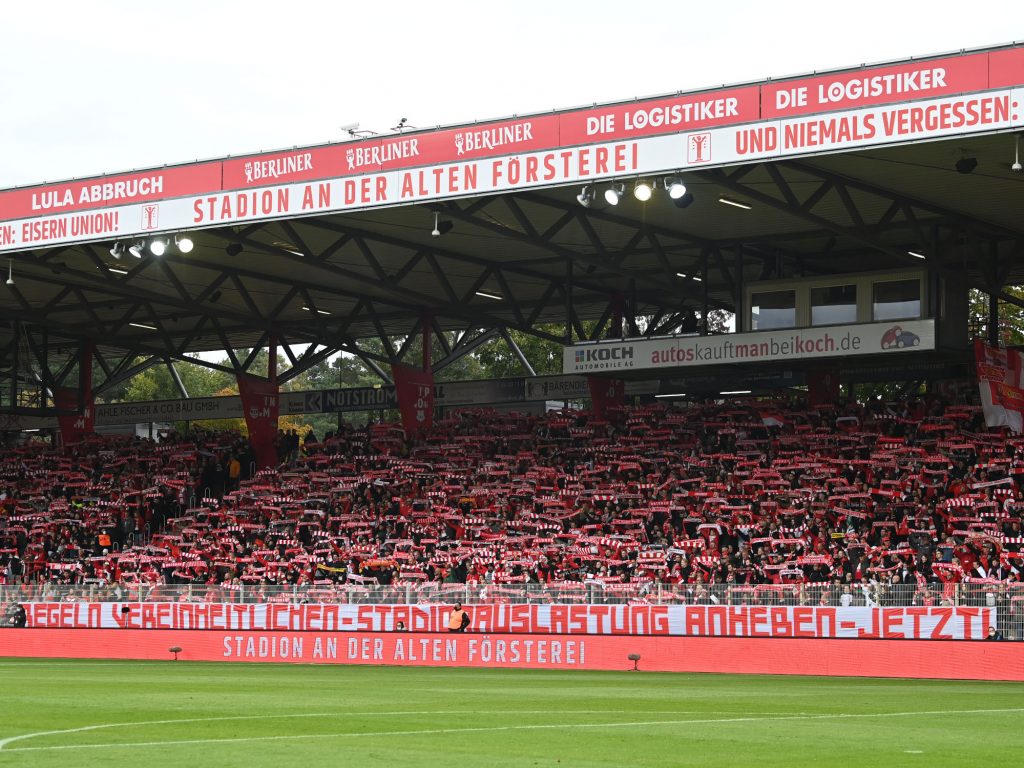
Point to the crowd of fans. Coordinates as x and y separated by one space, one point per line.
862 499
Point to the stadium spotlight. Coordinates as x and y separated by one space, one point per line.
675 187
966 165
137 248
158 246
117 251
10 271
614 193
183 243
643 191
233 249
586 196
1016 167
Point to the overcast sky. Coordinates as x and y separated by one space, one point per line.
94 86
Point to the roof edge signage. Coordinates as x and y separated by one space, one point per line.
931 98
732 348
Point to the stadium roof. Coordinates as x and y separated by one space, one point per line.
518 255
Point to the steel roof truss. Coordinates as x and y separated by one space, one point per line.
254 352
464 347
410 337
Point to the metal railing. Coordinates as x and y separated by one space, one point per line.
993 594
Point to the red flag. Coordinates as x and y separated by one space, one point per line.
261 406
822 387
606 393
74 428
415 392
1001 385
772 418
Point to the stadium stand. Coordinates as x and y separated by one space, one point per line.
909 503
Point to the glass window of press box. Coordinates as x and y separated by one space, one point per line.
835 300
896 300
834 305
772 309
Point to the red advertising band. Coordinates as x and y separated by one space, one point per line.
872 658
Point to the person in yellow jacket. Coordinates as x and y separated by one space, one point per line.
458 619
234 473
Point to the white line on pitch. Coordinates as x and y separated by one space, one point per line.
347 713
436 731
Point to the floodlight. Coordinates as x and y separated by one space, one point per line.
675 187
642 191
614 193
586 196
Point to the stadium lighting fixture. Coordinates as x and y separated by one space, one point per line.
673 394
614 193
440 227
117 271
183 243
643 191
1016 167
675 187
319 311
143 325
137 248
233 249
10 271
117 251
695 278
734 203
487 295
586 196
916 254
158 246
736 392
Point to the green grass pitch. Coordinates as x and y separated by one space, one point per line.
188 714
